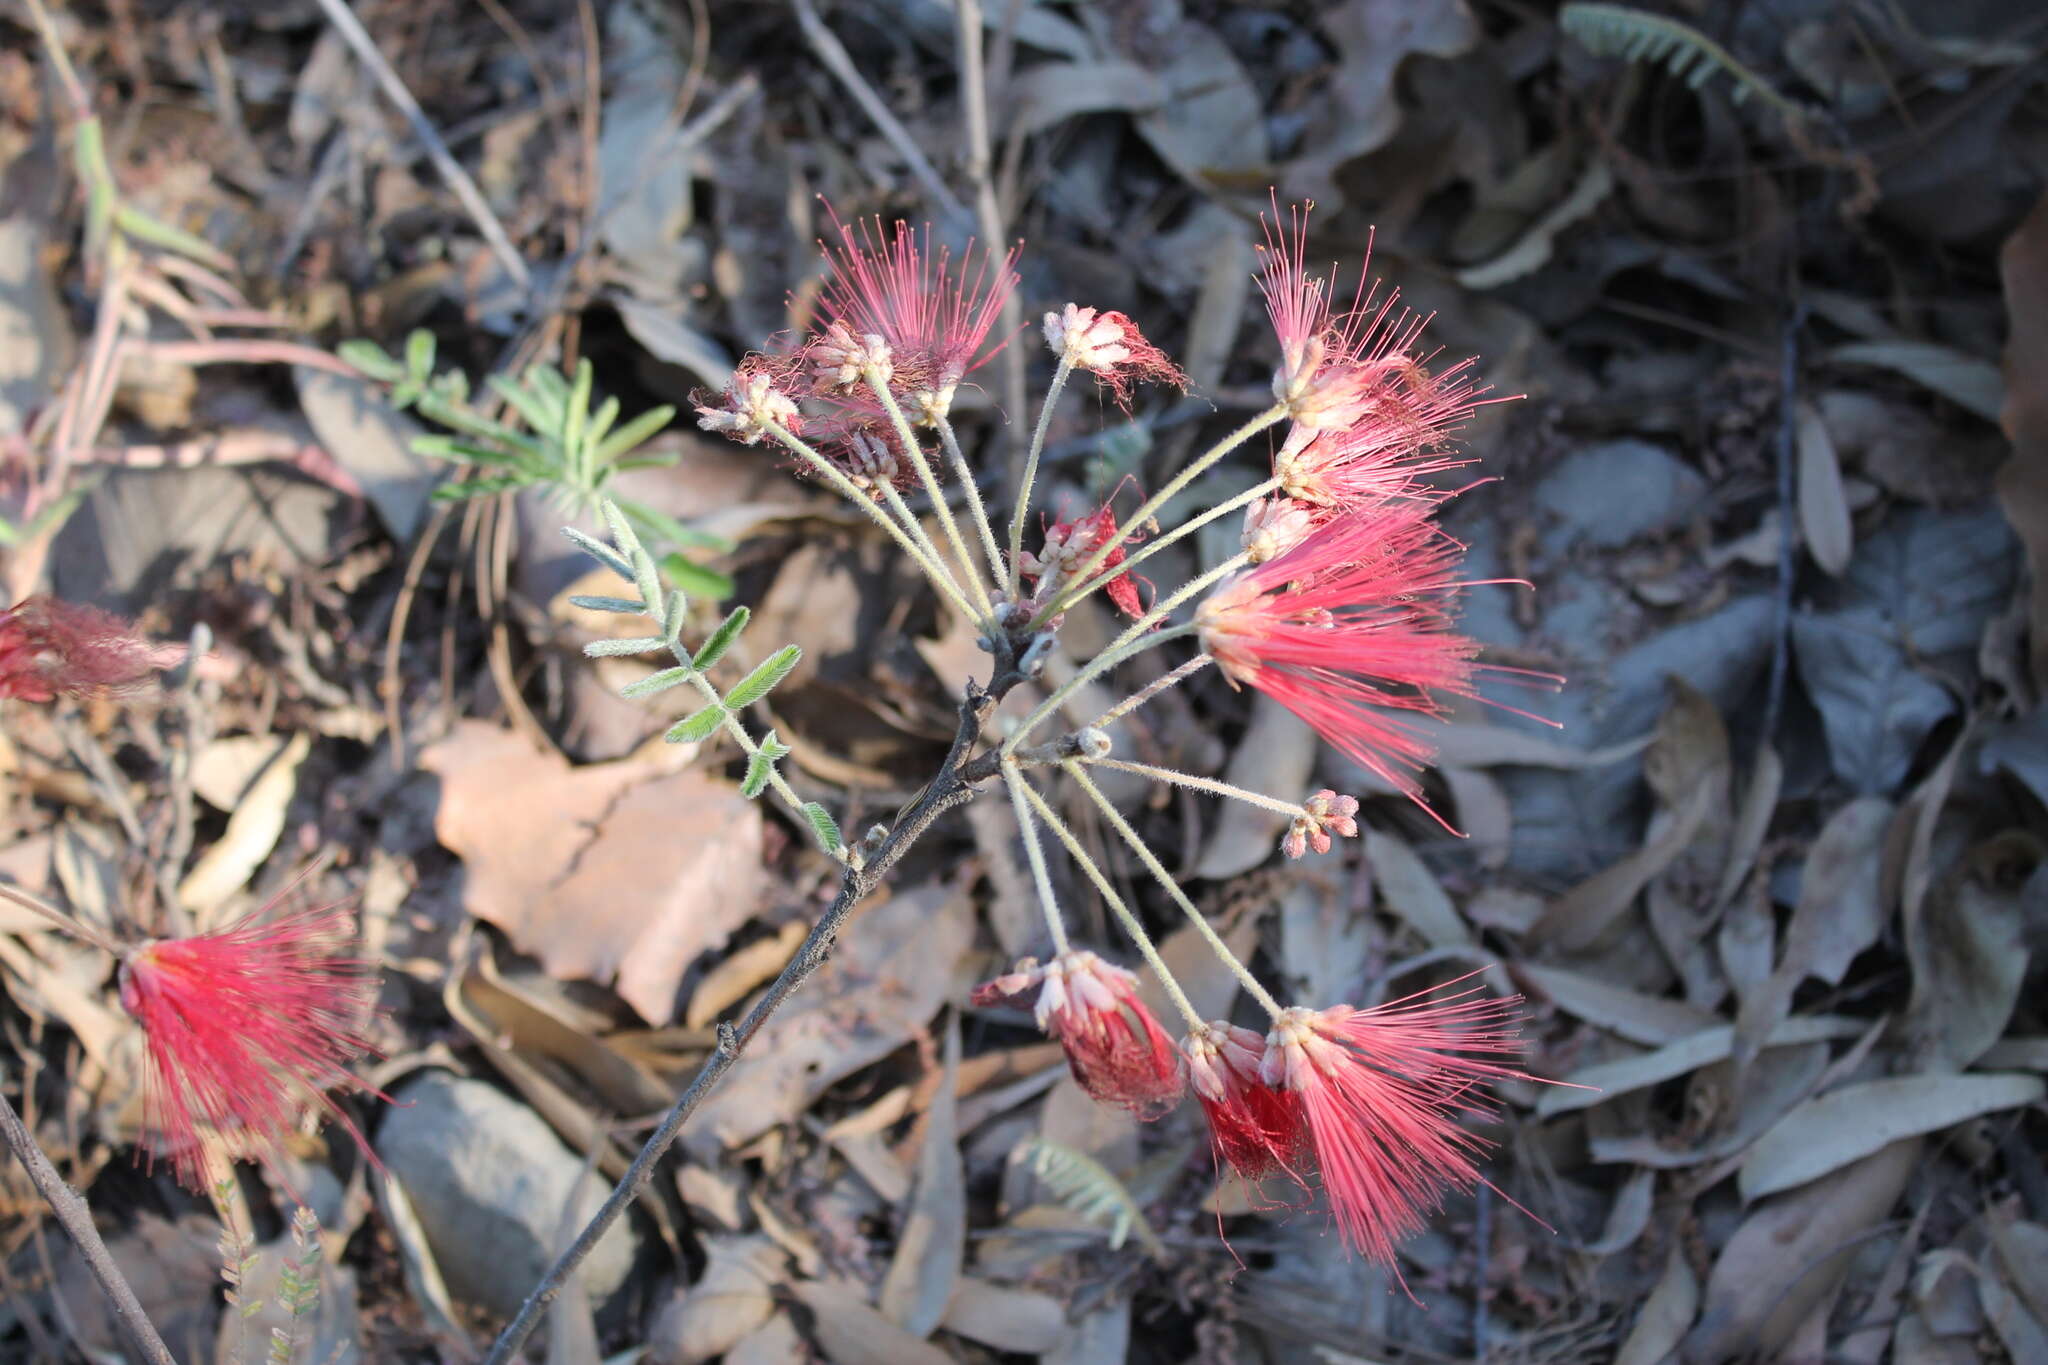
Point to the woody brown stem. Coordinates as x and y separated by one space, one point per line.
76 1219
953 787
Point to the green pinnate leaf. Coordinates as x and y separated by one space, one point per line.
369 357
762 680
621 606
599 551
759 768
612 649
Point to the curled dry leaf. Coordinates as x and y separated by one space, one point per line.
1823 506
933 1239
1666 1315
1968 949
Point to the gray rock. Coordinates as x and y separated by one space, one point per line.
1610 494
490 1182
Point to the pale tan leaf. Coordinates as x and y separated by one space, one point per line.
1850 1123
1533 249
1971 384
1823 507
1050 93
1666 1314
253 831
1637 1017
1276 756
1578 919
1409 889
849 1332
1790 1253
1609 1079
1969 949
1840 911
1009 1319
730 1301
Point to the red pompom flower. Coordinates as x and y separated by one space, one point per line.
245 1027
1109 346
50 648
1254 1127
1379 1092
1116 1049
893 295
1350 630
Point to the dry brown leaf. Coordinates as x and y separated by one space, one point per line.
1823 507
894 965
732 1299
1752 822
2023 480
1577 920
1640 1018
1850 1123
849 1332
1606 1080
622 873
1009 1319
1053 92
252 833
1840 911
2023 1256
732 980
1790 1253
933 1239
1666 1315
1411 890
1968 950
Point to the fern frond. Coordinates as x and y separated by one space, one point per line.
1693 57
1088 1187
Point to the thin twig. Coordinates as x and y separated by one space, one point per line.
951 788
833 54
365 47
72 1212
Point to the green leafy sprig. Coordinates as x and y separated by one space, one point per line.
665 612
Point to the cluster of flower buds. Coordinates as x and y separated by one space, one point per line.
1067 549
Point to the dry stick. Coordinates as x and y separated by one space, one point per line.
989 214
72 1212
833 54
952 787
358 38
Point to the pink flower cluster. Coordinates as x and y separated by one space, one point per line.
1347 615
1365 1102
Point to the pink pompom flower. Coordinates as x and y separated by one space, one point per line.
51 648
1115 1048
1352 631
245 1027
892 294
1380 1091
1255 1128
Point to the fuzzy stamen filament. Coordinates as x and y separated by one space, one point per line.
1024 485
1165 879
1149 691
1123 913
1034 853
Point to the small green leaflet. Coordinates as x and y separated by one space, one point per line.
713 649
654 682
762 680
761 766
823 825
697 726
639 644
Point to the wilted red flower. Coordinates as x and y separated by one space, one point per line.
1349 630
1109 346
1379 1091
1257 1129
245 1027
1068 546
51 648
1116 1049
934 321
